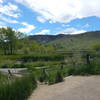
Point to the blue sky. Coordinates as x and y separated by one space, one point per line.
34 17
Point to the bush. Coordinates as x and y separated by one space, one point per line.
86 69
78 70
45 57
18 66
96 68
41 63
12 66
4 66
58 77
43 76
51 80
17 88
71 70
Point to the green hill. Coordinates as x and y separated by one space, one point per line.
69 42
80 41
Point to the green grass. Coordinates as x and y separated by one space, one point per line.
31 60
43 57
77 42
17 88
49 75
43 63
85 69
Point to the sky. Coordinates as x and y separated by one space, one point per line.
50 17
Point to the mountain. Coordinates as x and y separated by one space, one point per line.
46 38
62 41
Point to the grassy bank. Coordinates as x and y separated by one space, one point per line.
14 88
19 61
85 69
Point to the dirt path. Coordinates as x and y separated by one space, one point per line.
13 70
73 88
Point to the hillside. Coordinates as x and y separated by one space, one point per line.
61 41
81 41
46 38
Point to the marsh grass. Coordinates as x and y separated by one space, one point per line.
85 69
17 88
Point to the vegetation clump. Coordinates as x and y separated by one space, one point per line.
43 76
17 88
58 77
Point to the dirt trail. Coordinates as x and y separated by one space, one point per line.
73 88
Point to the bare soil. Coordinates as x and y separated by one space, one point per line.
73 88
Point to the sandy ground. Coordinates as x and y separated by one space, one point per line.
73 88
13 70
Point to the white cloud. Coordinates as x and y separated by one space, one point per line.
64 25
2 24
63 10
10 10
41 19
86 26
1 1
27 28
8 20
43 32
89 8
72 31
24 23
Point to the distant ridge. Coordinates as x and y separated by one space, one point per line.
44 39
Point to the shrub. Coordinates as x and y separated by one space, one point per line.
86 69
18 66
58 77
43 76
51 80
41 64
96 68
45 57
4 66
71 70
17 88
12 66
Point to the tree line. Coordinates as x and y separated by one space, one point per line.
14 42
